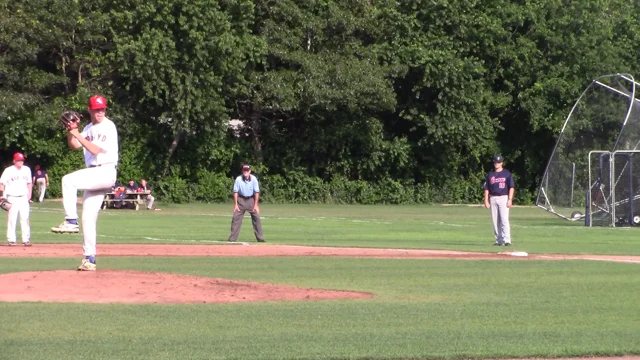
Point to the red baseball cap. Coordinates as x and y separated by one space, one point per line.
97 102
18 157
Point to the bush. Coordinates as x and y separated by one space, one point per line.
63 166
214 187
394 192
273 189
295 187
177 190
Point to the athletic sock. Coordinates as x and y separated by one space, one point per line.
73 221
91 259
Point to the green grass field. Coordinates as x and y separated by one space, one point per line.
423 309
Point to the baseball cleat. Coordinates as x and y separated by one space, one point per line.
66 228
11 243
507 244
27 243
86 265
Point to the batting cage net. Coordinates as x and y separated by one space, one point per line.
593 174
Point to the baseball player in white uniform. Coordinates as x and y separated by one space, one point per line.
99 141
16 186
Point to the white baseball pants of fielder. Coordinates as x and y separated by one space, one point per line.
500 217
42 188
19 208
95 182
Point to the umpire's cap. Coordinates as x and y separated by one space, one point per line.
498 159
18 156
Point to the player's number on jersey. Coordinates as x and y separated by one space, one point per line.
501 185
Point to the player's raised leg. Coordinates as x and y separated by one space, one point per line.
71 183
89 179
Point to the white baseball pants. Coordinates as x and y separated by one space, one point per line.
19 208
95 182
500 217
42 188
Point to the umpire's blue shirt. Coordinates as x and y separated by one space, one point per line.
246 188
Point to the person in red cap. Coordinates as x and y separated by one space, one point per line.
99 141
16 186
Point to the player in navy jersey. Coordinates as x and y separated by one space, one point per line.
498 196
41 179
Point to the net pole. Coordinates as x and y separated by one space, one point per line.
630 195
612 193
573 181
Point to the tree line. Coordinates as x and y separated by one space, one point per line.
352 101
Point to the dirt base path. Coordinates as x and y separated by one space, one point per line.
73 250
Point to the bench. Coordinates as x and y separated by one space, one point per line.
132 200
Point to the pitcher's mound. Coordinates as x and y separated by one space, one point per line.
113 286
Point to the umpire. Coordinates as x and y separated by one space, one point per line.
246 193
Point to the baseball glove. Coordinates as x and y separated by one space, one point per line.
70 120
5 205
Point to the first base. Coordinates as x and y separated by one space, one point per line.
515 253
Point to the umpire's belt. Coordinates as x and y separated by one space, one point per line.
246 197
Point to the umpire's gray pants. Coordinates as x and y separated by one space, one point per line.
500 217
243 206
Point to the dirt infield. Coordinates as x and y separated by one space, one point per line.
111 286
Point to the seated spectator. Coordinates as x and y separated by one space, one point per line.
115 186
144 187
132 186
119 193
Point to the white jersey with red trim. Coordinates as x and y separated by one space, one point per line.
104 135
16 180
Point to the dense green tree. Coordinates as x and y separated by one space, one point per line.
176 61
315 101
367 101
